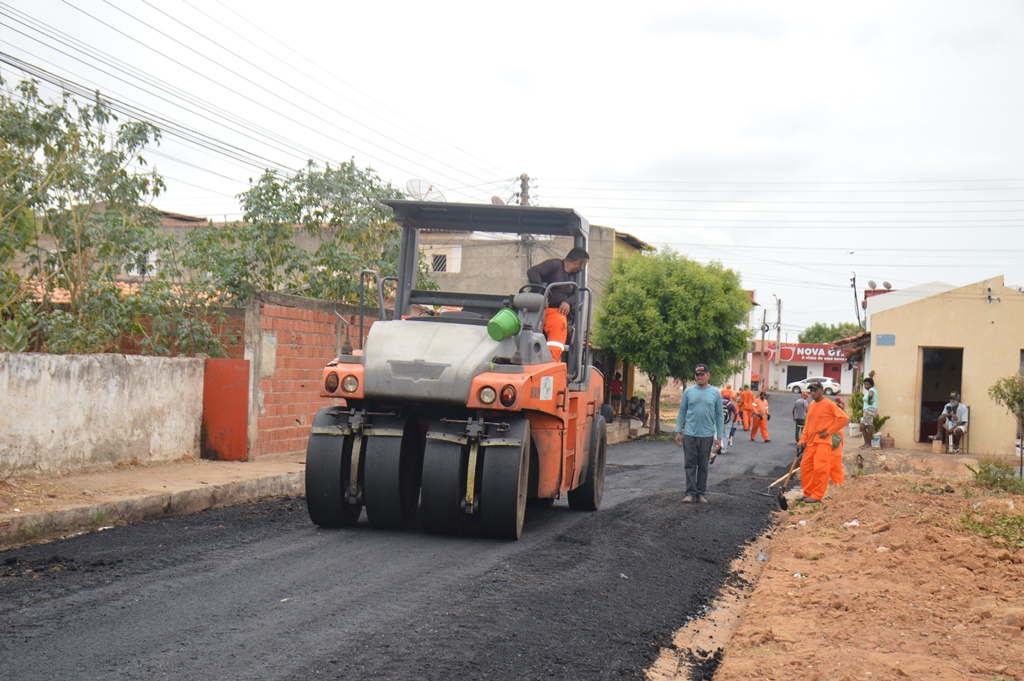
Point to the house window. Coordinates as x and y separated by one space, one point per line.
440 262
145 270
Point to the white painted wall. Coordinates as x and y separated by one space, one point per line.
61 413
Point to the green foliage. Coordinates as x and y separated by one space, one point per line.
72 200
828 333
856 403
338 210
1009 392
1005 530
997 475
665 313
878 422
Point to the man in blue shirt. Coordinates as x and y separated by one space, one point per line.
699 429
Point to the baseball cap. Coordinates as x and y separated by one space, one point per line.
699 368
816 385
954 396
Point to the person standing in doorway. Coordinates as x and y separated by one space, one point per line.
699 430
867 421
746 405
615 386
821 445
761 416
561 300
799 415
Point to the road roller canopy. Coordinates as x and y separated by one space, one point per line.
487 217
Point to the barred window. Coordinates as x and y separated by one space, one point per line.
440 263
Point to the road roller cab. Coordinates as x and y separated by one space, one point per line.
461 417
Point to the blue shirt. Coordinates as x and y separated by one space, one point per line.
700 412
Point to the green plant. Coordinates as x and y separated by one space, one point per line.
879 421
1009 392
1005 530
997 475
856 407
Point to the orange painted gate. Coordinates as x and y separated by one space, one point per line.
225 426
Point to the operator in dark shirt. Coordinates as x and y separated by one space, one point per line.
562 299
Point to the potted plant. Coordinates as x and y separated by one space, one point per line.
876 439
856 413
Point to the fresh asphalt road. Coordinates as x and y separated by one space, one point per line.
258 592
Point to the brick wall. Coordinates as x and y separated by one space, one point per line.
288 341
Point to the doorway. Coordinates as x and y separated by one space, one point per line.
795 373
941 374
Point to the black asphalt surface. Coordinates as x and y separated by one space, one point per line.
258 592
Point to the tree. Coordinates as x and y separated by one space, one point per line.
1009 392
666 313
828 333
72 198
340 211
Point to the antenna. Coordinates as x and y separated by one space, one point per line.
421 190
886 285
872 284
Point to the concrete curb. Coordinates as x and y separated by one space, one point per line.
49 525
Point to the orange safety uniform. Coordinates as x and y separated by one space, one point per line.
727 393
760 420
821 462
746 404
556 328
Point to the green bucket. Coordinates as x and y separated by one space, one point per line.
503 324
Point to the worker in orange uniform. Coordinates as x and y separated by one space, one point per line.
821 445
727 393
761 417
561 300
746 405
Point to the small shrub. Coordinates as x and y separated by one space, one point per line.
997 475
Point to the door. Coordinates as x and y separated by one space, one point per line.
941 374
795 373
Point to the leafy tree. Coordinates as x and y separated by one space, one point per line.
1009 392
666 313
73 200
828 333
339 209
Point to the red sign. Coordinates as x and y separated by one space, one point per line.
807 353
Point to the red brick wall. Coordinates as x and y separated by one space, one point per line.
306 339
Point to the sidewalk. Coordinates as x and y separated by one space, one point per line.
39 508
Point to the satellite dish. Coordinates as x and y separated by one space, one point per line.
421 190
872 284
886 285
496 200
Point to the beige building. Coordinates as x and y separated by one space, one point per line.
951 340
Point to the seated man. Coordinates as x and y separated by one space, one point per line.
953 420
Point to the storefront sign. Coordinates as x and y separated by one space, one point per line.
808 353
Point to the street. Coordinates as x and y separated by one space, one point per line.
258 592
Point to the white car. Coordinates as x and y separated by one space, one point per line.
830 385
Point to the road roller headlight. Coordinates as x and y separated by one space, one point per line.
488 395
331 382
508 396
350 384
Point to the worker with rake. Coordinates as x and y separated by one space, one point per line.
821 445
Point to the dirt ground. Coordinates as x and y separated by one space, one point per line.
882 581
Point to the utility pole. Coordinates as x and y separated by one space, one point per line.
526 240
856 302
778 342
764 329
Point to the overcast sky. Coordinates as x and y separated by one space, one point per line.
797 143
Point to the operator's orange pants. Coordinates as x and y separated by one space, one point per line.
762 425
748 416
556 328
820 463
